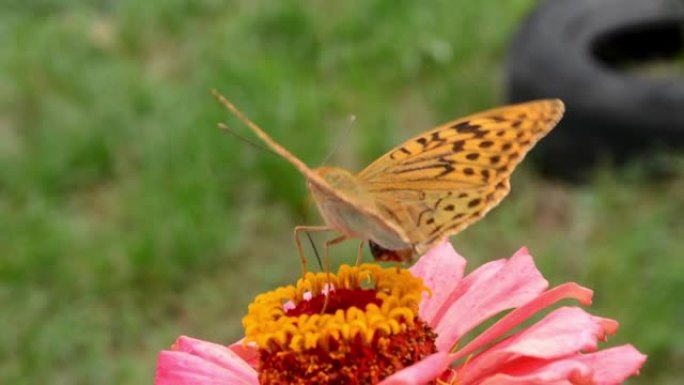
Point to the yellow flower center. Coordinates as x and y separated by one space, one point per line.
366 329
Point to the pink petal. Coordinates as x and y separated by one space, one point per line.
521 314
566 372
562 333
248 353
196 362
482 274
441 269
607 367
490 291
615 365
422 372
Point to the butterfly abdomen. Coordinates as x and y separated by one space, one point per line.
382 254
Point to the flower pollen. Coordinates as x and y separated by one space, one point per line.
366 330
339 299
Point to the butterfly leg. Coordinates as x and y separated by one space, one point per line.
326 257
359 253
326 253
300 249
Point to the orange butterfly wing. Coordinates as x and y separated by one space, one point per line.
437 183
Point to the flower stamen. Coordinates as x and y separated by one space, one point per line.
357 327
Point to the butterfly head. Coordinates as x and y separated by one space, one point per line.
343 181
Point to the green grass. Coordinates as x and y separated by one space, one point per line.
127 219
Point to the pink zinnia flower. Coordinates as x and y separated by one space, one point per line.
561 348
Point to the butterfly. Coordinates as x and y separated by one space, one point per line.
426 189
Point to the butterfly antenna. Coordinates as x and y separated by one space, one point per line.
224 127
343 138
272 144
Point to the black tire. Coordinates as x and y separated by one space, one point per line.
573 50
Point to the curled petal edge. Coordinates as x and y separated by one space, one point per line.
522 313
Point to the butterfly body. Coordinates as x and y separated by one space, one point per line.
352 210
428 188
384 254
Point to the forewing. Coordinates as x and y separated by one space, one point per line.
467 152
439 182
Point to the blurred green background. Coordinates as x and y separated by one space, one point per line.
127 218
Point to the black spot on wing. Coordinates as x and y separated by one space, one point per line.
420 216
435 138
474 202
402 150
469 128
422 141
485 175
447 168
457 146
